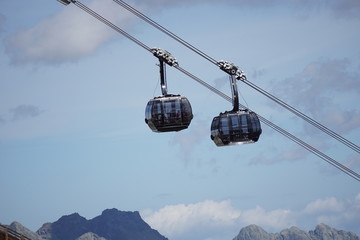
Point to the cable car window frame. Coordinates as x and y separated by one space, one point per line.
244 123
148 113
157 112
185 108
224 125
234 123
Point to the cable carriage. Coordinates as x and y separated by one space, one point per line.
238 126
235 127
225 127
169 112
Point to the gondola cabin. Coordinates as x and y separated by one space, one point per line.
235 127
168 113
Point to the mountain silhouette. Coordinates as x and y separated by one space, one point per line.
321 232
112 224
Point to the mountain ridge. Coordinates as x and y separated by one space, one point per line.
113 224
321 232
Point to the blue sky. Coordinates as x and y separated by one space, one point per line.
73 94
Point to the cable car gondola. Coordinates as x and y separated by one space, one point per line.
169 112
237 126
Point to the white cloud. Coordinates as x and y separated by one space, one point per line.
72 33
276 219
209 217
25 111
177 219
294 153
316 85
21 112
214 220
347 8
324 205
69 35
188 140
345 120
339 213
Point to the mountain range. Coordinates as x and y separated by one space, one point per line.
321 232
113 224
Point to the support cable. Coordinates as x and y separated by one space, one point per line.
311 121
164 30
282 131
328 159
110 24
305 117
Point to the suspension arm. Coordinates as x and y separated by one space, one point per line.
231 69
165 56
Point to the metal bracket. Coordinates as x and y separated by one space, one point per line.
165 56
231 69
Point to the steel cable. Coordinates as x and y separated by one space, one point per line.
310 148
110 24
293 138
164 30
311 121
305 117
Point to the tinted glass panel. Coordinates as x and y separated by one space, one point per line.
215 123
169 106
258 124
185 105
224 125
177 111
157 107
235 122
157 112
148 110
186 110
255 122
244 123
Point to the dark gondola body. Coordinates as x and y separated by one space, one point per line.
168 113
235 127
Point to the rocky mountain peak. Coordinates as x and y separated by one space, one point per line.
69 227
74 218
90 236
321 232
294 233
17 227
45 231
110 212
112 224
116 214
324 232
253 232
